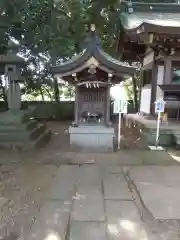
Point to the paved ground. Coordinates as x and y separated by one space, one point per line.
130 195
56 195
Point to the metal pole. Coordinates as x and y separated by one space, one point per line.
119 131
158 127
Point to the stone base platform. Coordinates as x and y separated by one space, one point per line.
19 132
92 138
169 132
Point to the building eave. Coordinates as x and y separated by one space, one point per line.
93 55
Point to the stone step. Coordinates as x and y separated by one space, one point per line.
165 139
9 128
35 133
40 142
177 139
22 135
176 134
153 131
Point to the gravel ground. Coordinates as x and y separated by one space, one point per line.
23 191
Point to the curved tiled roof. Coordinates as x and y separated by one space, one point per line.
157 15
94 50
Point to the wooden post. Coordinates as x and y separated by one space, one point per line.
167 70
76 108
107 105
140 88
153 88
135 94
167 73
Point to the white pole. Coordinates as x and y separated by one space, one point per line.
157 130
119 131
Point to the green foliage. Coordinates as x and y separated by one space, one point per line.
50 29
48 26
128 85
130 88
69 92
157 1
53 29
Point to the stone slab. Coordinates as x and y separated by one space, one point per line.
124 221
52 223
110 169
89 175
3 201
88 205
161 175
145 157
67 172
115 187
162 201
87 231
63 186
157 158
159 190
119 158
62 190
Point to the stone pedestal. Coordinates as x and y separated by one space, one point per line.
92 138
166 137
18 131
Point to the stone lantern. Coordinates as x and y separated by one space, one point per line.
11 65
17 128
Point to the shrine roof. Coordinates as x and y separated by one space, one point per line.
170 87
139 17
93 54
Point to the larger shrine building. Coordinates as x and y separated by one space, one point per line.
150 33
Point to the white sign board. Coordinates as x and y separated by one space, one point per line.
160 106
145 99
120 106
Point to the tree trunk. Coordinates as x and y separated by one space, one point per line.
135 94
56 90
49 94
42 95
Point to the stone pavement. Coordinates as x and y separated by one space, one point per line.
110 201
129 195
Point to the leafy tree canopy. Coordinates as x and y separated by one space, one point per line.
59 26
47 28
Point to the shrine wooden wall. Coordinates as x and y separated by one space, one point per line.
92 100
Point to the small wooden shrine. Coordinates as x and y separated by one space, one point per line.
151 34
92 73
